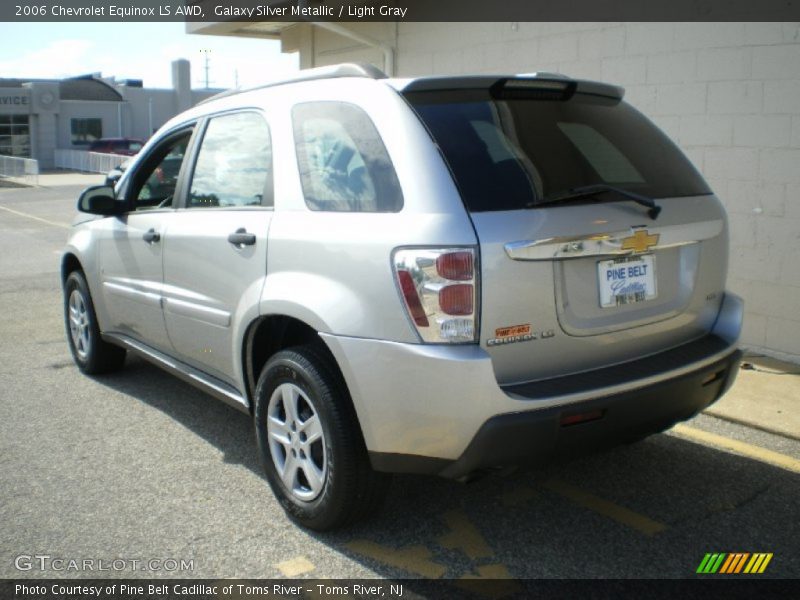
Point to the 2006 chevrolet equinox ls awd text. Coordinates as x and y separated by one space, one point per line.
440 275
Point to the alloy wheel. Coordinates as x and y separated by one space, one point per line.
297 442
79 326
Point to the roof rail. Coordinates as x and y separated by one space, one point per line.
330 72
543 75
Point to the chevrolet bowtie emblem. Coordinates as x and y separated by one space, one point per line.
641 241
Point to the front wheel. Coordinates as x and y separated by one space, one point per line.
90 352
310 442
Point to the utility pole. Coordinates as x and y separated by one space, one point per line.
206 67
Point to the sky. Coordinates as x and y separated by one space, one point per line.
137 51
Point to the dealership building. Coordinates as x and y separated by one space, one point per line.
727 93
38 116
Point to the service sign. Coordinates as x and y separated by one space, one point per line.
15 101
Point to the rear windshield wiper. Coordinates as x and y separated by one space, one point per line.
600 188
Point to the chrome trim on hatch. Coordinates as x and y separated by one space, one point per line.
610 244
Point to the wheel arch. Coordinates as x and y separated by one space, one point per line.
69 263
269 334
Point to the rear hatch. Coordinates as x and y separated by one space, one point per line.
577 271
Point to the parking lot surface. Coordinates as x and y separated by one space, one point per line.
139 466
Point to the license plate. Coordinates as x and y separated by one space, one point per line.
626 280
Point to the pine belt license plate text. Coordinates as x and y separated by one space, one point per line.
626 280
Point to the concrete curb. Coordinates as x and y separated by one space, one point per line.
766 396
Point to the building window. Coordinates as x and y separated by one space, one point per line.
85 131
15 136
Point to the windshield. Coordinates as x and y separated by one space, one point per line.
515 153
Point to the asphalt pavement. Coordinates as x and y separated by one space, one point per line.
140 466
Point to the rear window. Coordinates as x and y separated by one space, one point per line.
511 154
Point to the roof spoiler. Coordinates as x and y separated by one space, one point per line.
531 81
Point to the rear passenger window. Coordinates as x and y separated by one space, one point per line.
234 164
344 166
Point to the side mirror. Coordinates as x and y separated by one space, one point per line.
99 200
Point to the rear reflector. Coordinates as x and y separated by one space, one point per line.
712 378
574 419
412 298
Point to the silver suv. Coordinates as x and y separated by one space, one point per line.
437 275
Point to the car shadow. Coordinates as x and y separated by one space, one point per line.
648 510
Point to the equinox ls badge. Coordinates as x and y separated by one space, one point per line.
518 333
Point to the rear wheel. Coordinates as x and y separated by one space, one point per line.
90 352
310 442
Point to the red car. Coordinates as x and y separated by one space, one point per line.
125 146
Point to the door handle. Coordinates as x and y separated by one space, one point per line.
240 237
151 235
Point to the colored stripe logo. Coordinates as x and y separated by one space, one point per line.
729 563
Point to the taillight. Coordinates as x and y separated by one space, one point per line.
456 299
412 299
456 266
439 287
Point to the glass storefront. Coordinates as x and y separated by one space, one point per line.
15 135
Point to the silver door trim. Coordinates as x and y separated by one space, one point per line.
214 316
130 293
610 243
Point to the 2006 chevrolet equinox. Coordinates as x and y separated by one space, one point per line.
439 275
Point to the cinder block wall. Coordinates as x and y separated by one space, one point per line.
728 93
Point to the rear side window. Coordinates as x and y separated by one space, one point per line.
234 164
508 154
344 166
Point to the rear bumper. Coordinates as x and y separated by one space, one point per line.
535 437
438 409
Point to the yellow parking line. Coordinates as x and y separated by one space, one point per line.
414 559
295 566
735 446
489 581
606 508
464 536
35 218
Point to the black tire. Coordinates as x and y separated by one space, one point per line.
350 489
92 355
